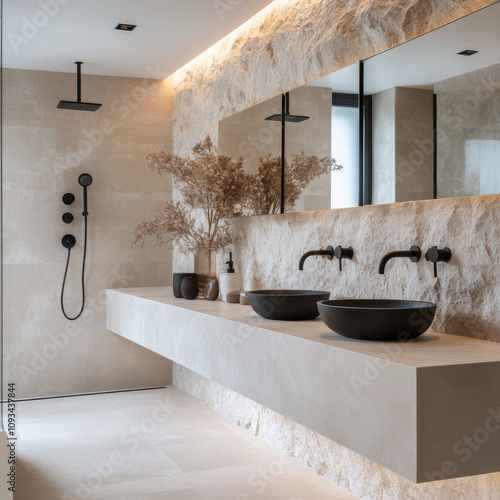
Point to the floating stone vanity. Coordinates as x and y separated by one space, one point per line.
428 409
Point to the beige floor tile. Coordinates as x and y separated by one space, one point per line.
189 429
149 445
217 453
178 487
270 480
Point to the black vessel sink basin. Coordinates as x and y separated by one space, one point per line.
287 305
366 319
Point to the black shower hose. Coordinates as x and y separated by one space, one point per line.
83 277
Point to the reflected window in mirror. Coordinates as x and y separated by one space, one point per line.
345 150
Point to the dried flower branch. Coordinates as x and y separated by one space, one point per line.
265 191
211 183
219 187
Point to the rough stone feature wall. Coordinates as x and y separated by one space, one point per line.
291 43
288 44
467 289
344 467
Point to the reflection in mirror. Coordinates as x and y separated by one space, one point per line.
436 112
343 86
311 181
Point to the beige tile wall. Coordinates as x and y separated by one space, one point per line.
402 145
469 133
45 150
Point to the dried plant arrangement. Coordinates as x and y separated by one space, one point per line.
265 188
217 187
211 184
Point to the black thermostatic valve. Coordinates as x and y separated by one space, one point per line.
67 218
68 198
68 241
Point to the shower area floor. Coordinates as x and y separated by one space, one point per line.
149 445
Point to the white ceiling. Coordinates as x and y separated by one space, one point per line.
428 59
169 33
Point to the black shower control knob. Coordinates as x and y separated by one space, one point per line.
68 241
68 198
67 218
343 253
434 254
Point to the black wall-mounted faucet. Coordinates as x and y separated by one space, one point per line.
434 255
339 253
329 252
413 254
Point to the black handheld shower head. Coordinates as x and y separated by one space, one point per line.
85 180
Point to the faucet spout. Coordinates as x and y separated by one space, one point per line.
413 254
329 252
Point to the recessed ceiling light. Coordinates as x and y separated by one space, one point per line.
125 27
467 52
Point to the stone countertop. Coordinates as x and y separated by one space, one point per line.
430 349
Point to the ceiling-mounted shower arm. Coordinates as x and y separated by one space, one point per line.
79 105
78 81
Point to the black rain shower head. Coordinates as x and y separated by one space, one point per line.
78 105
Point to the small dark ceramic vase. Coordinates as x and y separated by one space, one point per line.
211 289
189 287
177 280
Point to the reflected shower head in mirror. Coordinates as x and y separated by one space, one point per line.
288 117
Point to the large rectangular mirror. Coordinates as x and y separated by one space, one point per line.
436 112
320 125
431 129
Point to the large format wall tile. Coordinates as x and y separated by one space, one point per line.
45 150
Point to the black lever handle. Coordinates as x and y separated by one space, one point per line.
435 254
343 253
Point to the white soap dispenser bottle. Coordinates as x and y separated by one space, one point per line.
229 281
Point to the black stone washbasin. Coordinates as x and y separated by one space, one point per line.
287 305
366 319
